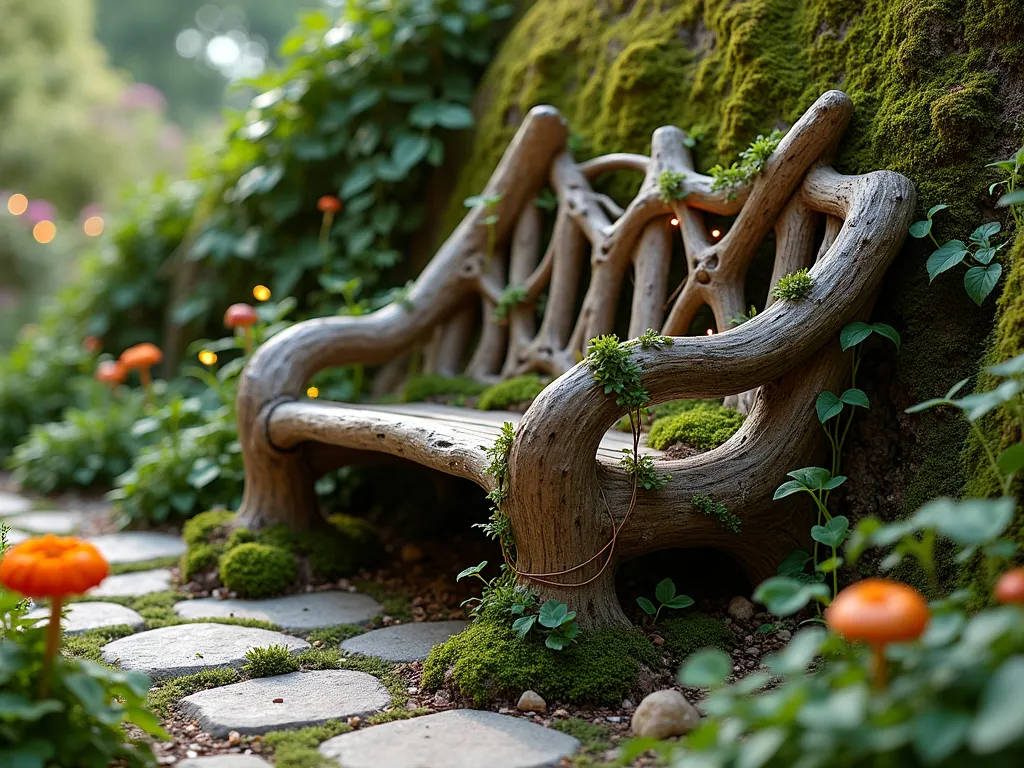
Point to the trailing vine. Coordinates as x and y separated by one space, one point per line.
748 167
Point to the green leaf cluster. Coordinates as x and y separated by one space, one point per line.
665 594
748 167
794 287
717 510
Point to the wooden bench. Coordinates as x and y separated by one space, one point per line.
565 484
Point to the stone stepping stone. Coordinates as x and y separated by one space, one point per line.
458 738
188 648
138 546
295 613
310 698
82 617
134 584
405 642
224 761
60 522
13 504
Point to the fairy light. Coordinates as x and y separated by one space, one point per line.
93 226
44 231
17 204
261 293
312 392
674 222
711 331
207 357
716 233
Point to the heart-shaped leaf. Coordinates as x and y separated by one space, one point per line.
1012 459
936 208
646 605
680 601
980 281
882 329
553 613
828 406
523 625
784 596
794 563
921 228
855 397
665 590
853 334
832 533
813 478
982 234
788 488
946 257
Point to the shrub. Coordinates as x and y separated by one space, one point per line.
487 661
521 389
702 428
258 570
269 661
434 385
687 634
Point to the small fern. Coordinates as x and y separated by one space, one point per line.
708 506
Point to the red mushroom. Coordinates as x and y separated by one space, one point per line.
328 205
1010 587
242 316
879 612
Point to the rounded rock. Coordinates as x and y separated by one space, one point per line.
663 714
531 701
741 609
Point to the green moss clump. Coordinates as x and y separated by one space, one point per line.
593 737
703 428
298 749
207 527
396 714
88 644
487 661
521 389
794 287
269 661
687 634
167 692
258 570
431 385
334 636
198 558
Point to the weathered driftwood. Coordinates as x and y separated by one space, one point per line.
563 486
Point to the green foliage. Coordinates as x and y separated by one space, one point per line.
701 427
1012 196
207 527
499 526
258 570
794 287
616 372
269 661
665 594
707 505
487 661
983 270
392 715
643 471
671 185
688 634
511 297
433 385
748 167
592 737
168 692
78 720
298 749
511 392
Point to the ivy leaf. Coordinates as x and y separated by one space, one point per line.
646 605
985 255
833 533
936 208
946 257
979 281
1012 459
455 117
855 397
812 478
921 228
523 625
888 332
705 669
794 563
471 571
665 590
828 406
982 234
363 99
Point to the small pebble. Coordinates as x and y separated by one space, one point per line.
753 651
234 739
355 721
741 609
613 719
627 704
560 713
658 640
279 701
784 635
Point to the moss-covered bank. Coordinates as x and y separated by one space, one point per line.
937 86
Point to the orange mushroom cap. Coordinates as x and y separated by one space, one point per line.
328 204
52 566
111 372
240 316
878 611
143 355
1010 587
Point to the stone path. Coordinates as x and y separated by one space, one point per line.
224 761
287 701
458 738
13 504
82 617
134 584
295 613
188 648
61 522
405 642
138 546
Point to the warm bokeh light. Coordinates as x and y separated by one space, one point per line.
261 293
44 231
17 204
711 331
206 357
313 392
716 233
674 222
93 226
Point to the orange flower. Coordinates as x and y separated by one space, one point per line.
328 204
879 612
1010 587
52 566
240 316
111 373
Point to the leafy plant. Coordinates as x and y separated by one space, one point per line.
979 253
1013 195
707 505
511 297
665 594
748 167
269 661
671 185
742 317
794 287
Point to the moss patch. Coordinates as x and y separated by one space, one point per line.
167 692
258 570
511 392
686 634
87 645
161 562
487 662
298 749
432 385
702 427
